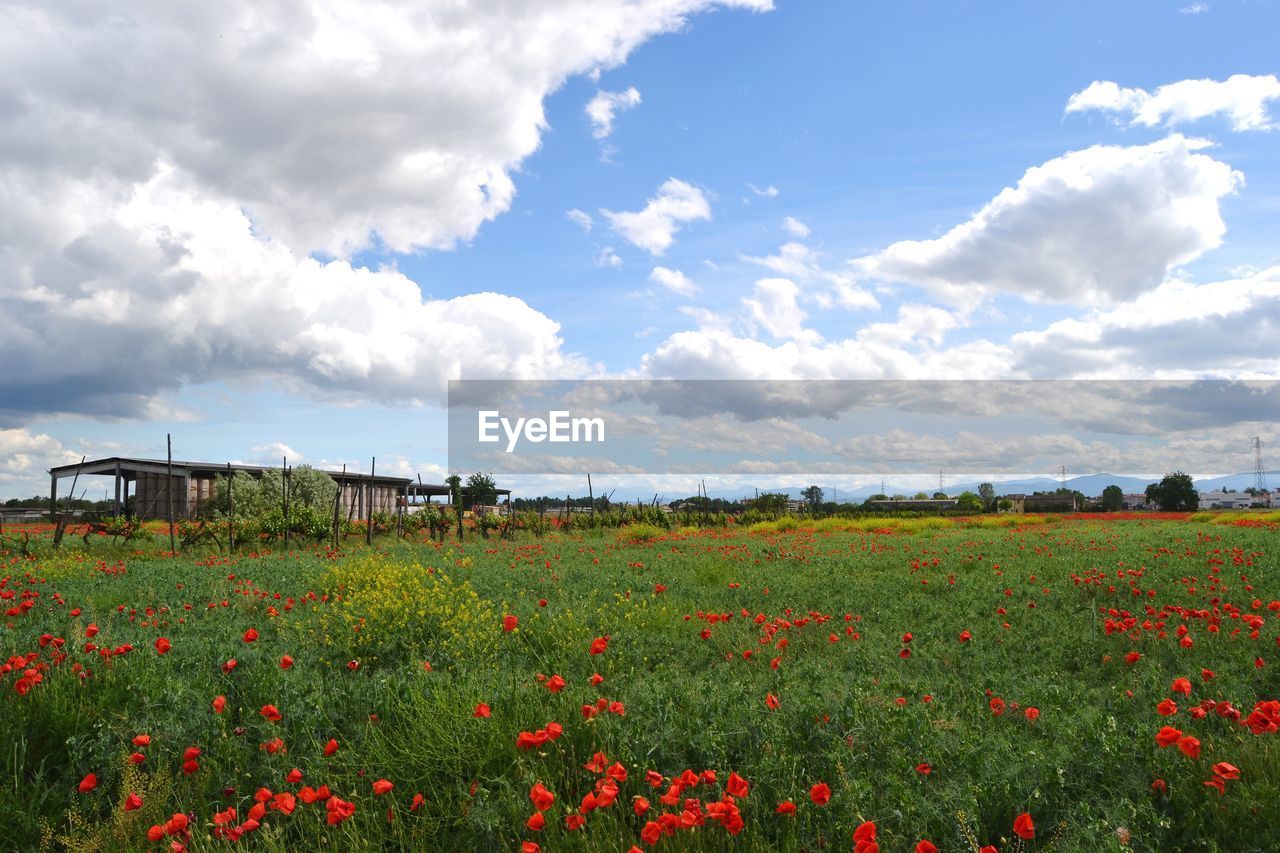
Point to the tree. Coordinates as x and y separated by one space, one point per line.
454 482
771 502
987 492
921 496
813 497
1175 493
969 502
1112 498
482 489
940 496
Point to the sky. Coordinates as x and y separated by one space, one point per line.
280 228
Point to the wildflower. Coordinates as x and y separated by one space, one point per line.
88 783
1024 827
820 794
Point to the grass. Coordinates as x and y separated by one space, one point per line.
395 647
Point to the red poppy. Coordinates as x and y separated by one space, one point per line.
596 679
219 702
820 794
382 786
353 665
1189 746
294 776
142 740
541 798
1032 713
1219 783
88 783
272 713
228 666
163 645
509 623
997 706
555 684
1181 685
736 786
926 846
923 768
771 701
338 810
1226 770
1024 827
1167 708
1167 736
331 747
418 800
1159 786
598 645
574 821
250 635
286 662
536 822
482 710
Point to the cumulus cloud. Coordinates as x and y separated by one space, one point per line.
674 280
795 260
164 286
605 105
1225 329
654 227
335 124
608 258
1241 97
1103 224
580 218
795 227
773 305
764 192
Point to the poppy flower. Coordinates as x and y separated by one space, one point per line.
1219 783
923 768
219 702
250 635
142 740
88 783
331 747
1159 786
294 776
865 833
598 645
965 636
820 794
338 810
926 846
284 802
132 802
382 786
771 701
997 706
286 662
1133 657
541 798
1226 770
353 665
91 631
530 847
555 683
228 666
155 833
536 822
574 821
163 645
785 807
1032 713
1024 827
1167 708
1181 685
736 786
418 800
1167 736
137 758
272 713
509 623
1189 746
596 679
482 710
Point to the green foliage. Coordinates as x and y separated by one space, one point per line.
1175 493
1112 498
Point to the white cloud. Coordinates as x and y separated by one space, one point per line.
608 258
605 105
164 287
766 192
774 306
1226 329
273 453
795 260
654 228
580 218
915 322
1241 97
673 280
1103 224
330 122
1194 9
795 227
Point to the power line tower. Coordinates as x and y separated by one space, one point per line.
940 480
1062 475
1259 472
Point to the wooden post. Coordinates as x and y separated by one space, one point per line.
115 507
53 507
231 510
368 530
168 441
402 501
591 496
337 501
284 496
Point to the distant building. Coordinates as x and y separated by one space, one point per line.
917 504
1021 503
1228 500
1137 501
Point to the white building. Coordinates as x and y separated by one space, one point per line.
1226 500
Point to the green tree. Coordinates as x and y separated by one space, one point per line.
1175 493
813 497
1112 498
921 496
771 502
482 489
969 502
987 493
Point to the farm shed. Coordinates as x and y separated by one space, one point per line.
192 486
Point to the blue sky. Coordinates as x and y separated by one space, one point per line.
867 124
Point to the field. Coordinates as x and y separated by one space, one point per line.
1034 684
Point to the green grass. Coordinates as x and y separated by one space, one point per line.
1083 770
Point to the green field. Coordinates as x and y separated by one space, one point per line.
394 648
